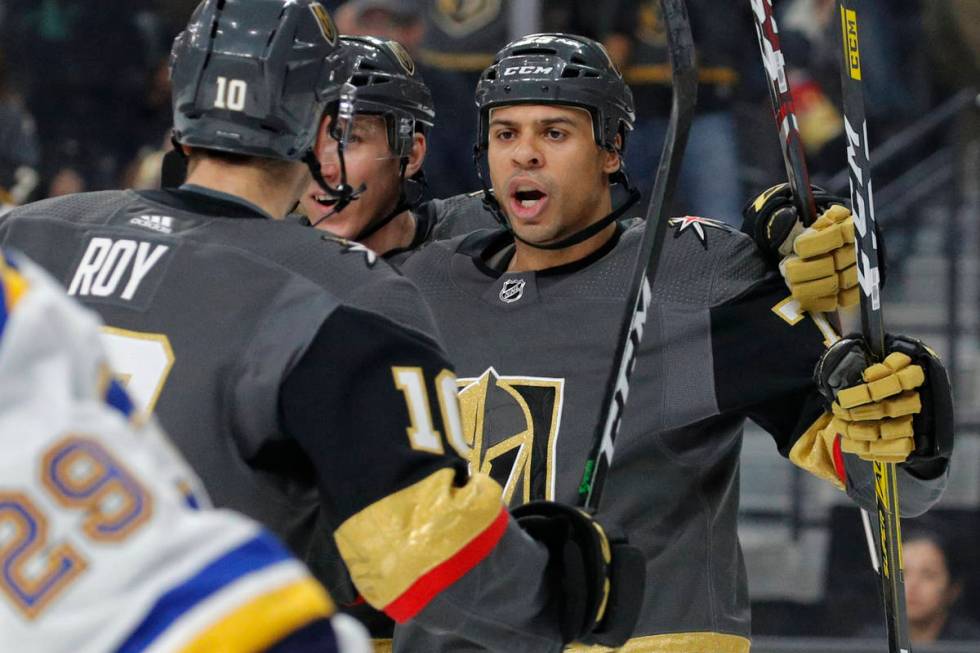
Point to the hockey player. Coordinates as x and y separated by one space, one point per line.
301 377
383 156
386 143
105 548
530 313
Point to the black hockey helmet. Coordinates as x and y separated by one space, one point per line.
383 80
557 68
387 83
564 69
253 77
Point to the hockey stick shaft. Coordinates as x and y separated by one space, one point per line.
783 110
872 321
680 45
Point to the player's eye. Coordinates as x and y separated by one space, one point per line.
504 135
555 134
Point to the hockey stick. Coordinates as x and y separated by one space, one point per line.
680 46
872 322
782 106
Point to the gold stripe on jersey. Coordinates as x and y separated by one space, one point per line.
14 285
382 645
260 623
814 452
395 541
674 643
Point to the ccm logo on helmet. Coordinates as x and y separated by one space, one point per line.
528 70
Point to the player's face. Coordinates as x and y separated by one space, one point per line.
928 587
369 161
548 174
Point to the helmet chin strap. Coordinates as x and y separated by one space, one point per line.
344 192
491 203
404 203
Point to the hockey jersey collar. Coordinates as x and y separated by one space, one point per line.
492 251
205 201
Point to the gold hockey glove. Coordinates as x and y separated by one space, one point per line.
895 411
822 272
818 262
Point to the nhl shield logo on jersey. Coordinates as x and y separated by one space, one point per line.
697 225
512 290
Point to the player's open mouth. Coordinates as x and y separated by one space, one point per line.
527 200
325 200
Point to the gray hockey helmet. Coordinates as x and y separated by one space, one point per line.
387 83
557 68
253 77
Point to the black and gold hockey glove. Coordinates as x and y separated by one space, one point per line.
896 411
818 262
599 575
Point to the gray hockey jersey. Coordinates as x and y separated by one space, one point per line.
302 378
723 343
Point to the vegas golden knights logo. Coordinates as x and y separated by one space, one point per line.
323 19
401 54
462 17
511 424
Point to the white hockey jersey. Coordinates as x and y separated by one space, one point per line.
102 547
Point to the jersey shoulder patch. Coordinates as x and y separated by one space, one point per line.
698 227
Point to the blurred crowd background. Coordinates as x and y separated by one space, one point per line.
85 105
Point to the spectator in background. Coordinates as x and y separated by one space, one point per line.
389 20
636 40
933 585
20 152
152 127
81 65
459 41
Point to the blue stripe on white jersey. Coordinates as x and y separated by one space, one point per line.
116 397
258 553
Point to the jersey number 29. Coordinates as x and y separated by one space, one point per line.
78 474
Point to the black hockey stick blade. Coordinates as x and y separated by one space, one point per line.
783 110
872 321
680 46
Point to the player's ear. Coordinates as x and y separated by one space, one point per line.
612 159
417 155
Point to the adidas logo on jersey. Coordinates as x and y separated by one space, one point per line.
162 223
112 266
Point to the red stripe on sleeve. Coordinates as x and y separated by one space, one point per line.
439 578
839 461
